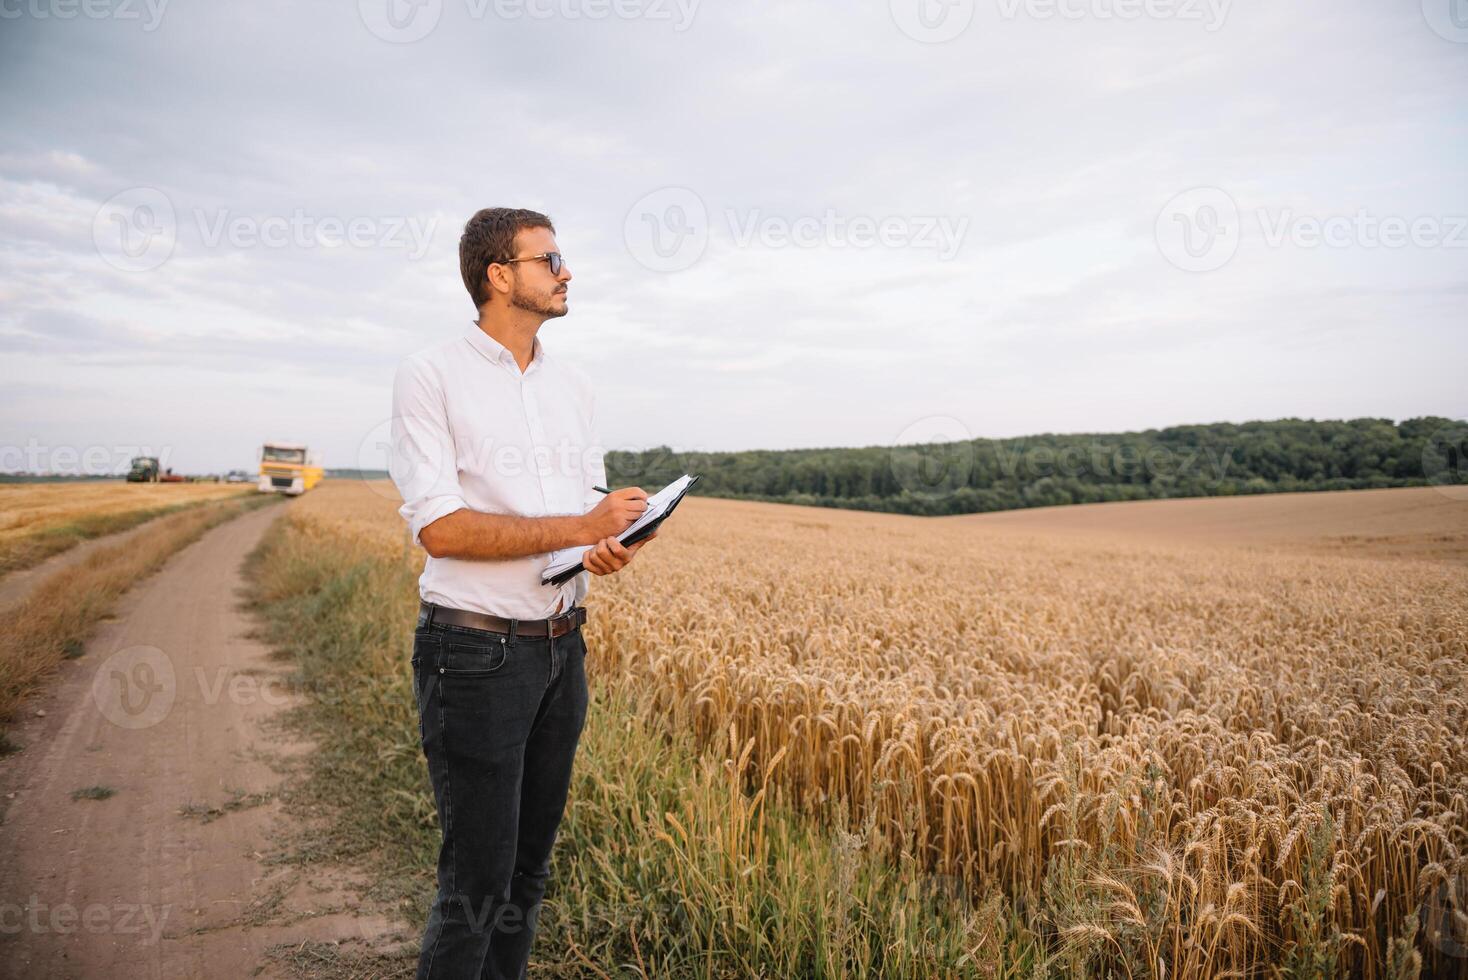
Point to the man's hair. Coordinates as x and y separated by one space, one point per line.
488 237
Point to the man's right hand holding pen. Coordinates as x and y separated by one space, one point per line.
472 535
614 514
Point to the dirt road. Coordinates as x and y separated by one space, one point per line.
135 819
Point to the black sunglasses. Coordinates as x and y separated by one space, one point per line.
554 258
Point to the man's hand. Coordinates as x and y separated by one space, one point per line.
473 535
610 555
616 512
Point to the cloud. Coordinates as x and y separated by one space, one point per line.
1054 143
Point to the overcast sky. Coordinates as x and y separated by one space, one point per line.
790 224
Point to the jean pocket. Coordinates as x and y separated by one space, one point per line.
473 657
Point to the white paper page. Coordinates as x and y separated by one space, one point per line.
564 559
657 505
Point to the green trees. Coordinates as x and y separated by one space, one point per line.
1047 470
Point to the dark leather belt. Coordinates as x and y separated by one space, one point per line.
429 613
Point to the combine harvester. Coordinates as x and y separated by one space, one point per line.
289 468
144 470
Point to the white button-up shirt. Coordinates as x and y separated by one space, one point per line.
470 430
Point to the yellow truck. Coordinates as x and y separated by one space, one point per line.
287 467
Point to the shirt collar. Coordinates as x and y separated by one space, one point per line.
499 353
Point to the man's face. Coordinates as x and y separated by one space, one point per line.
532 287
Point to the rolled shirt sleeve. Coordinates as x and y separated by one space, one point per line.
422 461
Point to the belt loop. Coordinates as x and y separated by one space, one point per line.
512 631
432 608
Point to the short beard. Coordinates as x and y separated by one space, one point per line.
536 305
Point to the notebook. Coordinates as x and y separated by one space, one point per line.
567 561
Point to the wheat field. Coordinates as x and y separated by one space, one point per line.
39 519
1176 756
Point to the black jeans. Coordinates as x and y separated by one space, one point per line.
499 720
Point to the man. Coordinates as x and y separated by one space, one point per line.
495 455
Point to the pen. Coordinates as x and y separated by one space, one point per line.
604 490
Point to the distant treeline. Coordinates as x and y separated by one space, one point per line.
350 473
1044 470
